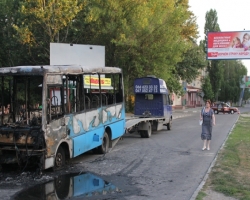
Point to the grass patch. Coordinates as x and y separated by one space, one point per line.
231 172
201 195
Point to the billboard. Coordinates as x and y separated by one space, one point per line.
77 54
228 45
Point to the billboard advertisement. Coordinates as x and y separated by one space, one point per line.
228 45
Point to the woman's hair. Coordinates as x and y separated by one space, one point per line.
208 101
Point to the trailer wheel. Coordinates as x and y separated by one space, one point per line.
169 125
147 133
141 134
105 144
59 159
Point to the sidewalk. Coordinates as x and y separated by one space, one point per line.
187 110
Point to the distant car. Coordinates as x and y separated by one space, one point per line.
222 107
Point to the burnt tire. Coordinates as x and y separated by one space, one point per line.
59 159
105 144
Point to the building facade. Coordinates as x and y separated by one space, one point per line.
192 94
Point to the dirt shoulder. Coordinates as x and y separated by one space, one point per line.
212 195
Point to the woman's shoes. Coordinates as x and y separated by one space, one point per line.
204 148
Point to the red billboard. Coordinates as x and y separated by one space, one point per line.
228 45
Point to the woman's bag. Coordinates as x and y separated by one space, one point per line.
201 120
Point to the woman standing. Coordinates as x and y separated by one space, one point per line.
207 115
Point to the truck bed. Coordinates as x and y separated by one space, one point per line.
130 122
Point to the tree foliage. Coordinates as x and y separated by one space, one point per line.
41 22
207 89
214 67
193 61
142 37
230 87
51 16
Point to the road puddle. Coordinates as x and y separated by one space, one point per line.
69 186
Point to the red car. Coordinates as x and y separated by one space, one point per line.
224 108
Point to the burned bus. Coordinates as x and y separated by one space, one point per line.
50 114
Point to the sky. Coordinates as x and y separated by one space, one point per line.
233 15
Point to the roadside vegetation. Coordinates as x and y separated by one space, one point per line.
231 172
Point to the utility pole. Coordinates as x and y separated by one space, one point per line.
241 96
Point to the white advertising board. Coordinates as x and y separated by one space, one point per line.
77 54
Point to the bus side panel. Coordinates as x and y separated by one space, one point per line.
120 112
113 113
117 129
88 141
85 131
83 122
114 117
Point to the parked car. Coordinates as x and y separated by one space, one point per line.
222 107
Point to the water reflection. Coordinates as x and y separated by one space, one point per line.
67 187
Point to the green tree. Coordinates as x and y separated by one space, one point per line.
246 94
215 68
234 71
193 60
12 52
142 37
207 89
41 22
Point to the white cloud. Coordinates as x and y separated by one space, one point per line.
232 16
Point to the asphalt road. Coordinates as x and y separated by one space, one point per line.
170 165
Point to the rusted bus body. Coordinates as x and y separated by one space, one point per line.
59 112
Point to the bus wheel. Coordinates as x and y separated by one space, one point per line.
148 132
59 159
105 144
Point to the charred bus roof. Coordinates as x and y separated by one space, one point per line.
56 69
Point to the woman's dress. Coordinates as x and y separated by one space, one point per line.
207 124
